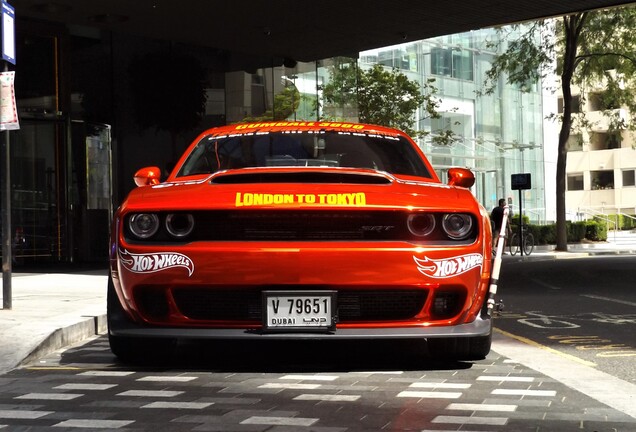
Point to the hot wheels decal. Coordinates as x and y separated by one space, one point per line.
448 267
154 262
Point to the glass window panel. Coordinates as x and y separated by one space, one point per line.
575 182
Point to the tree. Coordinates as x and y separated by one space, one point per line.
285 104
380 96
169 92
590 48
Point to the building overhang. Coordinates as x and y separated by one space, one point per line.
277 31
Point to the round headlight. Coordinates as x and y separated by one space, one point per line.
421 224
179 225
144 225
457 226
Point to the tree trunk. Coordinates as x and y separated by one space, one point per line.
572 29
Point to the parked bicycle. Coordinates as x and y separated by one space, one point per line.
527 242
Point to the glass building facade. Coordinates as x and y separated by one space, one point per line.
496 135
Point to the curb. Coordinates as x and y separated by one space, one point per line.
63 337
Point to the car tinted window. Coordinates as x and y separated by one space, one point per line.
304 149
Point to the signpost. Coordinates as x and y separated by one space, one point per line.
521 182
8 121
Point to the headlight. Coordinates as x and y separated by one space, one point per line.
143 225
457 226
179 225
421 224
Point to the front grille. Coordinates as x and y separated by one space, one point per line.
303 225
300 225
234 305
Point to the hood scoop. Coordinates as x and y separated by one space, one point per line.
301 177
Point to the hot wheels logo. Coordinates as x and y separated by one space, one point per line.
154 262
448 267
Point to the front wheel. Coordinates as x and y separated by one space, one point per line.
514 244
528 244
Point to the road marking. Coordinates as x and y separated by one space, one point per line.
625 302
546 348
94 423
328 398
151 393
430 395
481 407
545 284
80 386
290 386
280 421
492 421
517 392
605 388
159 378
178 405
434 385
505 378
23 414
310 377
107 373
50 396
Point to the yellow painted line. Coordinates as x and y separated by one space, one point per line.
37 368
547 348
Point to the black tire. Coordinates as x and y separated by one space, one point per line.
460 348
135 350
514 244
528 244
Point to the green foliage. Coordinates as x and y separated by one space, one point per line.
596 231
524 58
547 234
514 220
576 231
623 222
286 103
380 96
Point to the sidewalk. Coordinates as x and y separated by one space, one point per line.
53 310
618 244
50 311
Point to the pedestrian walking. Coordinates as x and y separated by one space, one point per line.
497 216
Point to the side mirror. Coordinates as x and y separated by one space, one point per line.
148 176
461 177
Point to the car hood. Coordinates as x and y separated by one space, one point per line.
299 188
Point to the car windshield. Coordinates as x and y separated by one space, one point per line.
391 154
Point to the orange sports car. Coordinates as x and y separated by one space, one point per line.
300 230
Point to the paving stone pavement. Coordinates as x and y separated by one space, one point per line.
84 388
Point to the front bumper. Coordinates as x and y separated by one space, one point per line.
120 325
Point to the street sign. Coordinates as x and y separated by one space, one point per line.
520 181
8 32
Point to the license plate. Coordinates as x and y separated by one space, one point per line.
304 311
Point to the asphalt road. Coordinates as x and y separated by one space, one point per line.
582 308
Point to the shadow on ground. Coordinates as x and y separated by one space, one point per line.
277 357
